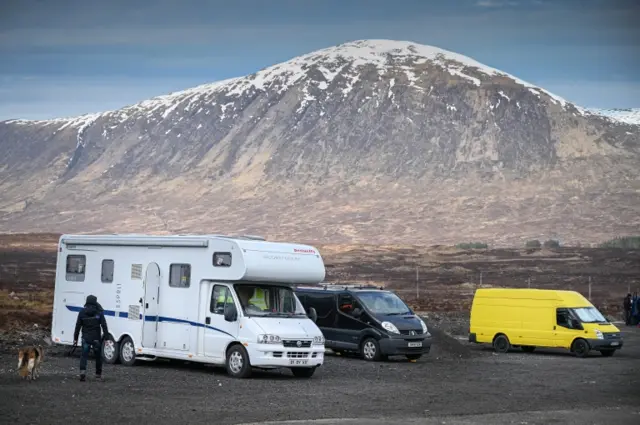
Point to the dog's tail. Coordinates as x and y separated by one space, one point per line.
23 359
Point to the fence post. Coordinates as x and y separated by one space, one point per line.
417 284
589 288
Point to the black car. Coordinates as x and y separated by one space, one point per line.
370 321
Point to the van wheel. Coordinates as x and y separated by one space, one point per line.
580 348
370 349
607 353
127 352
501 344
110 350
238 365
528 348
303 372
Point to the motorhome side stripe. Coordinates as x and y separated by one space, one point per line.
124 315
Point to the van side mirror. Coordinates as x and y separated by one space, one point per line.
313 315
357 312
575 324
230 313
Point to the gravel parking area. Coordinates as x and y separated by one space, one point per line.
454 381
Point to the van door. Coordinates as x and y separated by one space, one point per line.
150 306
563 331
218 332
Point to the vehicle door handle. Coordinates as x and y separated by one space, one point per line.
146 305
554 328
207 320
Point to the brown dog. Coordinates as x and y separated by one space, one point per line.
29 360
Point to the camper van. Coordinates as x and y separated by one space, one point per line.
530 318
367 320
211 299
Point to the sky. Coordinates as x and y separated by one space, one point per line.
69 57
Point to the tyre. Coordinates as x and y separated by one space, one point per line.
370 349
303 372
127 352
110 350
528 349
238 365
413 356
580 348
607 353
501 344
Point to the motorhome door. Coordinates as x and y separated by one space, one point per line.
150 306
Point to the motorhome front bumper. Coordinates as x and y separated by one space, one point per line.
405 345
270 355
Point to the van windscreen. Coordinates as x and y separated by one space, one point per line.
589 315
383 303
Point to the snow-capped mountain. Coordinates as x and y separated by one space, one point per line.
369 140
629 115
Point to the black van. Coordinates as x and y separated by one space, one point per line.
368 320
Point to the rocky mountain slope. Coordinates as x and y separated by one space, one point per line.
628 115
368 141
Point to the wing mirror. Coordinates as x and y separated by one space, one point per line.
313 315
230 313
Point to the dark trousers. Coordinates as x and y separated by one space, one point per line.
627 317
97 351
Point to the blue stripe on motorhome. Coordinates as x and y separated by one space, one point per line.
124 314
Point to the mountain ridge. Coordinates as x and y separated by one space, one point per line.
367 140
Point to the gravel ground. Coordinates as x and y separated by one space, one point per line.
454 381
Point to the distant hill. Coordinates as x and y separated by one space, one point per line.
368 141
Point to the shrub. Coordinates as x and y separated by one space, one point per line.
551 243
533 244
472 245
626 242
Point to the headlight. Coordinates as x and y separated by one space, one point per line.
318 340
599 334
390 327
424 326
268 339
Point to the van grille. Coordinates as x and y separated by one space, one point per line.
611 336
297 355
409 332
294 343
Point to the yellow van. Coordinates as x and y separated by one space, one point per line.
530 318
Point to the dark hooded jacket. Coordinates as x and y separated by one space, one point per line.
90 320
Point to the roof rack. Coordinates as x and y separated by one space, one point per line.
246 237
327 285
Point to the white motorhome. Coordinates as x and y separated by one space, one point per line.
211 299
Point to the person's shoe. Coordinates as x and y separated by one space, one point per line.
98 377
83 377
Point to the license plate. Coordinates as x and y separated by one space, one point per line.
298 361
415 344
615 343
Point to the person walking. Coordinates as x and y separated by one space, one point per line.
627 304
90 320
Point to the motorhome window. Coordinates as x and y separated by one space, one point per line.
107 271
222 259
180 275
383 303
220 297
268 300
76 267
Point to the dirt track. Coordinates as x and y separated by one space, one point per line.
453 380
